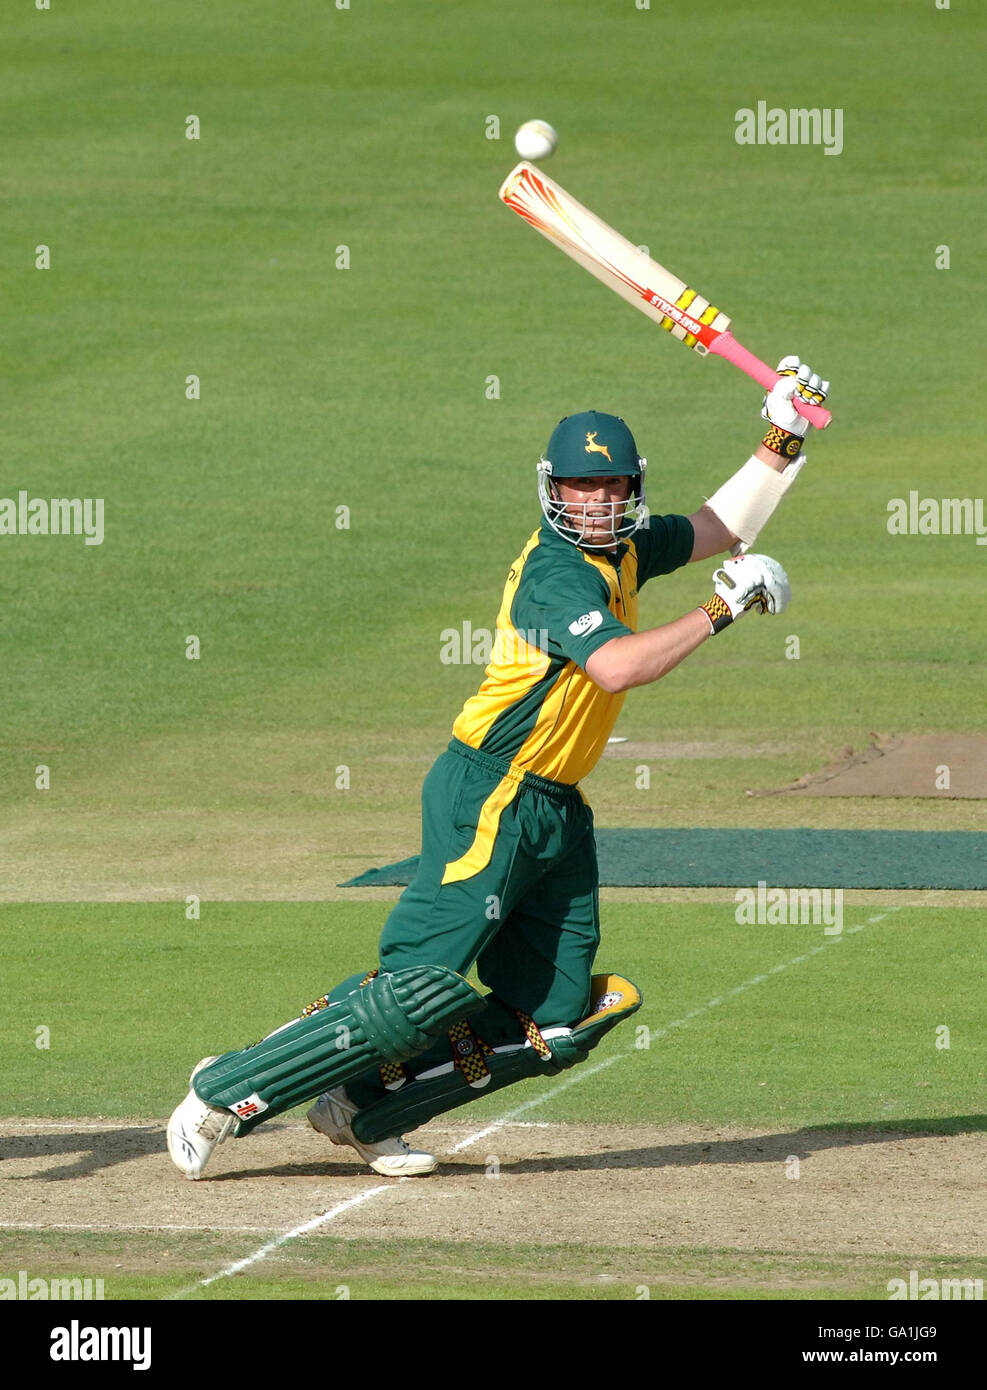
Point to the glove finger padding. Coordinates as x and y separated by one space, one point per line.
797 380
745 582
777 589
811 386
788 366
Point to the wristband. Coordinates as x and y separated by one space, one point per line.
718 613
782 442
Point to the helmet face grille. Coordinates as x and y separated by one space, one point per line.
577 522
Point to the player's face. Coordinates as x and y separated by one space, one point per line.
594 505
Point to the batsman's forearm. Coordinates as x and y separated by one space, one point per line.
643 657
773 460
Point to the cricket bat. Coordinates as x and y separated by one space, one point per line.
641 281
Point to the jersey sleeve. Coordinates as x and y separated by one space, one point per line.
663 544
566 608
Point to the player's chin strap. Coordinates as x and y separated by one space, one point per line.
476 1067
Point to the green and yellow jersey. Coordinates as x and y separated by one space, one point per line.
537 708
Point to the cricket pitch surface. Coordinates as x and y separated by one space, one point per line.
779 1214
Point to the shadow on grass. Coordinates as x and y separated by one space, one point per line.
762 1148
766 1148
92 1150
100 1149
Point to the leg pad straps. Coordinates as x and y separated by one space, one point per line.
543 1052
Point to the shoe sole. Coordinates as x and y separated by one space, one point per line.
419 1171
335 1136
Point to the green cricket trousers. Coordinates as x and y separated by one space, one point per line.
507 879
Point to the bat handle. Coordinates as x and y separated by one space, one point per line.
726 345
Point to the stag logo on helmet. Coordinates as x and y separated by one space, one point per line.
593 448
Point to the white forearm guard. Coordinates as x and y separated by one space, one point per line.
746 501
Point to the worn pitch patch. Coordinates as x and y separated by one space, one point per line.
939 766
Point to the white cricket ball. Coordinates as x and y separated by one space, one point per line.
535 140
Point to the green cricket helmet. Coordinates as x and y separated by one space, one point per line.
591 445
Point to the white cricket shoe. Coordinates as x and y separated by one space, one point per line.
392 1158
195 1129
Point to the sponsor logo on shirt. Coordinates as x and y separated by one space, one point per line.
589 622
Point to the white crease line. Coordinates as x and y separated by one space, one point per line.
581 1075
70 1124
293 1234
508 1124
107 1226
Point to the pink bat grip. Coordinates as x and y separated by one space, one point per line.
726 345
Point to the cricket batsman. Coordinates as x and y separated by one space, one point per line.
507 878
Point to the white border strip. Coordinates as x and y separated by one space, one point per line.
130 1229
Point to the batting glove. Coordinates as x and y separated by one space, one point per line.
745 582
797 380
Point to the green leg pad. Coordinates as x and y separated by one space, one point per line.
390 1019
612 1000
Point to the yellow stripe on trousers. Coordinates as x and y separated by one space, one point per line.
478 855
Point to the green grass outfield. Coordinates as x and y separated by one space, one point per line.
365 388
325 1268
133 995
